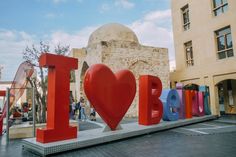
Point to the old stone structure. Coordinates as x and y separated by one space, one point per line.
118 47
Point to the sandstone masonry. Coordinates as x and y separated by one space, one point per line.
117 47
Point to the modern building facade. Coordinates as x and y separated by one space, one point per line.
117 46
205 49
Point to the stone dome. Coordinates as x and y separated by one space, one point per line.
112 31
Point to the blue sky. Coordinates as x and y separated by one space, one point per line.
70 22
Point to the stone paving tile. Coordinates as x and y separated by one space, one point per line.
211 127
87 126
162 144
230 119
124 120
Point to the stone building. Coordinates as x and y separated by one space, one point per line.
118 47
205 44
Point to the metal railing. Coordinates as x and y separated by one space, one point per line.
8 95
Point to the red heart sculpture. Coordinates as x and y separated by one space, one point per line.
110 94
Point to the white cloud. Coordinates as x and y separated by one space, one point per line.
123 4
13 41
12 44
104 8
150 31
75 40
172 65
158 15
126 4
5 34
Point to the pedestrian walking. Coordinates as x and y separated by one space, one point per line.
83 105
73 109
92 114
78 110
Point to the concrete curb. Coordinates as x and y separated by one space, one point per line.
97 136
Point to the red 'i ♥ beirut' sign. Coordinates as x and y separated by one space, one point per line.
111 95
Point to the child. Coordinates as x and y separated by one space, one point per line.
92 114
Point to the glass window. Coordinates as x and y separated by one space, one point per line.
221 43
221 55
189 53
225 8
229 42
224 43
186 21
230 53
223 31
224 1
216 3
220 6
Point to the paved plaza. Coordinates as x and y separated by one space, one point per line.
212 138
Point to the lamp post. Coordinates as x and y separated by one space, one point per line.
33 105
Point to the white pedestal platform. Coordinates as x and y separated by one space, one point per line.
25 130
97 136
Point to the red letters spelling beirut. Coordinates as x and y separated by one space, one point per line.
110 94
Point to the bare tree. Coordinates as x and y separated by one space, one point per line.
31 55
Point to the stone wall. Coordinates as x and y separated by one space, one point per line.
139 59
118 47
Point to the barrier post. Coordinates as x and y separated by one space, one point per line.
34 114
7 114
2 94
